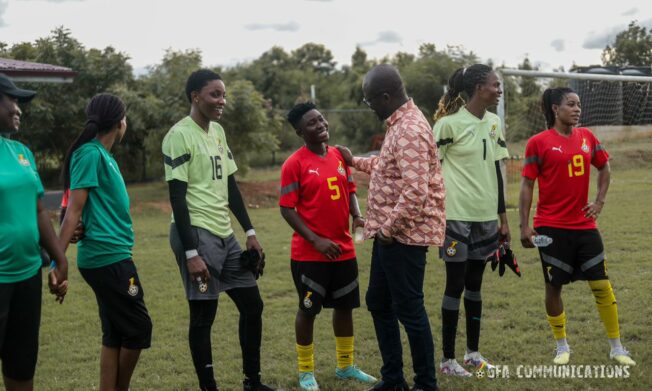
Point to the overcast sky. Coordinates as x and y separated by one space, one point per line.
552 33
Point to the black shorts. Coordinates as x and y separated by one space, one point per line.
326 284
572 255
20 319
124 317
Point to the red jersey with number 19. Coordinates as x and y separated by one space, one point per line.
563 166
318 188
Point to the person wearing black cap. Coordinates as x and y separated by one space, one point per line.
23 222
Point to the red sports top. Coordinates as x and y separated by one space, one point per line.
562 166
318 188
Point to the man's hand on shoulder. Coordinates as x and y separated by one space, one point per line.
346 154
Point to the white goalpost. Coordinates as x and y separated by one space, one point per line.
613 105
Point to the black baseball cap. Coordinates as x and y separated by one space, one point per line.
7 87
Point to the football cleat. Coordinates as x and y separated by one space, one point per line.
562 356
476 360
622 357
307 381
452 367
353 372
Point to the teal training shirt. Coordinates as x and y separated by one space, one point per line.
20 189
109 236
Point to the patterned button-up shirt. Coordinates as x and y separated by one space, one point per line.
406 189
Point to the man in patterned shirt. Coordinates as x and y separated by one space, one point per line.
405 215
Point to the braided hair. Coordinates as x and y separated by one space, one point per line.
463 80
103 113
553 96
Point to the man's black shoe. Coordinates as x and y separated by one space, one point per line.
253 385
418 388
384 386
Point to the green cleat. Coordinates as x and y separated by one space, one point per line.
353 372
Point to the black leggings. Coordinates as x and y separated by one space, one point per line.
461 276
202 315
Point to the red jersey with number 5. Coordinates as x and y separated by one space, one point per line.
318 188
563 166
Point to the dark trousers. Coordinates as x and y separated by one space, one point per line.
396 294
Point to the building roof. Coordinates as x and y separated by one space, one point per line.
35 72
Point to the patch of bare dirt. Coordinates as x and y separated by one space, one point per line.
262 194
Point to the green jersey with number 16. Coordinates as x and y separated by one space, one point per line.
203 160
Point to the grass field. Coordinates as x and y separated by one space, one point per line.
514 331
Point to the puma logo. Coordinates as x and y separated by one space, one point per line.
315 171
557 149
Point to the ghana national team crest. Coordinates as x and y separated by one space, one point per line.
585 148
341 170
23 162
133 288
219 146
492 133
306 300
451 250
202 286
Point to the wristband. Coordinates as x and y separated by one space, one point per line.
250 232
53 265
191 254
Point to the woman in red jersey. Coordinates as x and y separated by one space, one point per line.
560 158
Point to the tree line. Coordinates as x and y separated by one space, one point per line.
259 94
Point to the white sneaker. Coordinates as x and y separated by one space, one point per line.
562 356
621 356
451 367
476 360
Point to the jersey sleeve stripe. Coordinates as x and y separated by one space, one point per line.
502 143
174 163
289 188
531 160
597 148
350 179
444 141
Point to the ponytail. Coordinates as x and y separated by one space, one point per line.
452 100
463 80
103 113
553 96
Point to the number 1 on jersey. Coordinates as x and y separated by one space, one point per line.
332 184
578 163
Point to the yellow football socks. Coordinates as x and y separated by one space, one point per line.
558 325
306 358
344 350
607 307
